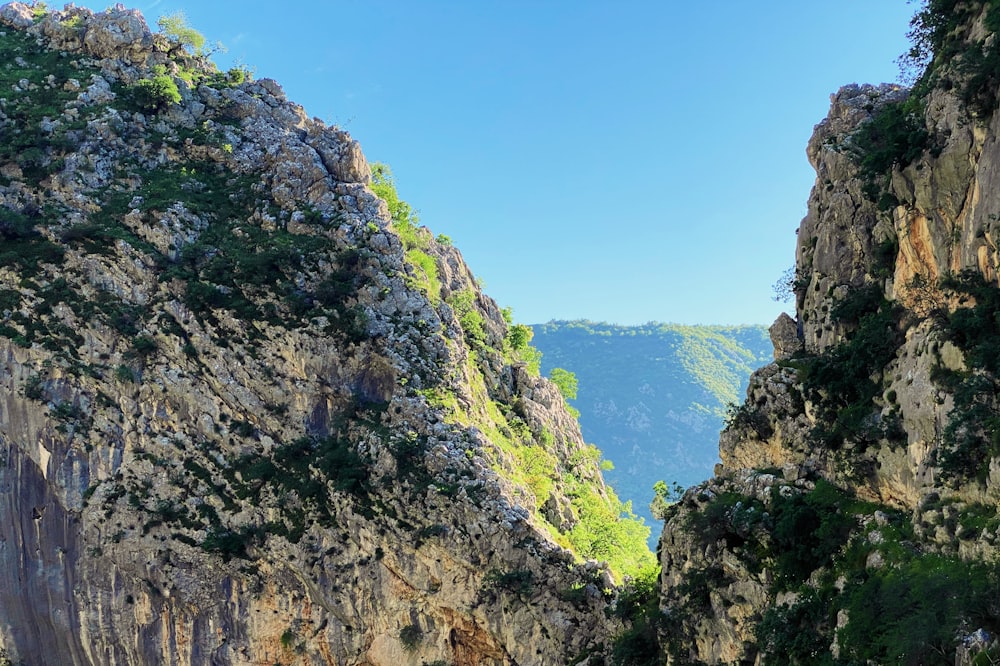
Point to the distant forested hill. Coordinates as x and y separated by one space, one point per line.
653 397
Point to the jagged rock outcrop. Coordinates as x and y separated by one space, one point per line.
785 337
875 429
241 420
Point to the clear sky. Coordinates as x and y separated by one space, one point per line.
622 161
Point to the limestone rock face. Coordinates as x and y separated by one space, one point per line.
713 594
838 238
785 337
239 424
880 387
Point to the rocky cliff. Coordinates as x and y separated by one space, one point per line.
854 517
250 414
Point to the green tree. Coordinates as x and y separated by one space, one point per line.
384 186
176 27
663 497
156 93
565 381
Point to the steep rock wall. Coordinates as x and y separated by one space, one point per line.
889 400
237 425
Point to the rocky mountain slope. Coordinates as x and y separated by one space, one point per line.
654 397
855 516
251 413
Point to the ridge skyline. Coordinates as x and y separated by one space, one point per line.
609 183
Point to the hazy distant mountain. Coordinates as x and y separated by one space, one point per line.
653 397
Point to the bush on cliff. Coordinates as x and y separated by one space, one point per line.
155 94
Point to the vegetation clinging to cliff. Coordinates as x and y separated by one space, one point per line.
600 525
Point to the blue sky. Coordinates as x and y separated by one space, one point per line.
624 161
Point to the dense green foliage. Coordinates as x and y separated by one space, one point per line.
971 439
915 610
845 561
638 604
943 54
517 345
155 93
894 137
176 27
565 381
912 612
793 534
844 381
809 529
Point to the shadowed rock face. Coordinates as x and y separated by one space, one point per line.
237 426
872 377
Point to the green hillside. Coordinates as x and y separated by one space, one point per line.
653 397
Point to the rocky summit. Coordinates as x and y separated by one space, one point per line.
250 412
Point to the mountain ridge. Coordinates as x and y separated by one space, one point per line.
654 397
252 413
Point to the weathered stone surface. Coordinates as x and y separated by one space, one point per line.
140 408
938 218
785 337
17 15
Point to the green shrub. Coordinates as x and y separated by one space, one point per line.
411 636
518 344
566 382
34 388
798 634
469 316
238 75
607 529
384 186
23 245
638 605
520 581
142 347
942 48
747 417
894 137
125 374
155 94
912 613
519 336
406 224
311 468
844 381
728 516
664 497
971 438
231 543
809 529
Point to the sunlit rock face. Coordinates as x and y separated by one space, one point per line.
883 389
240 424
